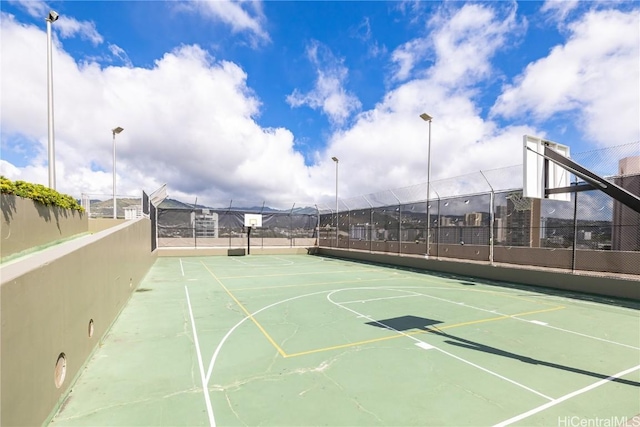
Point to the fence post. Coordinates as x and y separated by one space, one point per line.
399 222
348 225
491 218
370 224
437 223
291 226
575 229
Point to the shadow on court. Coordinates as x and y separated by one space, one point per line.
405 323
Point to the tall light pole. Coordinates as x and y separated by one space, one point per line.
335 159
115 131
428 118
52 17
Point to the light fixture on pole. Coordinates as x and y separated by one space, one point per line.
335 159
428 118
52 17
114 132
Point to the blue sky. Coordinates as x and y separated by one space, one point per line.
250 100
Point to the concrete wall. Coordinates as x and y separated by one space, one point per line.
586 260
185 252
47 300
26 224
608 286
99 224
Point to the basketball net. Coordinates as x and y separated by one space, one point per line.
520 203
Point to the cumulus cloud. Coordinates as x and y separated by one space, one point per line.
406 56
328 94
389 143
188 121
466 41
594 75
461 43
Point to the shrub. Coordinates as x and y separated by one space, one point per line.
40 193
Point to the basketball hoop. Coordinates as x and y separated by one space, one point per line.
520 203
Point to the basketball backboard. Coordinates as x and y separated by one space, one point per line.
540 174
253 220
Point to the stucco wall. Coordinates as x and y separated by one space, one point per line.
608 286
98 224
46 302
26 224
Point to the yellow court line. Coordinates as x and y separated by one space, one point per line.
455 325
264 332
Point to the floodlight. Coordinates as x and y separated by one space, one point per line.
53 16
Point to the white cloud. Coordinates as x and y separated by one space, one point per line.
461 43
67 27
119 53
188 122
560 9
189 119
35 8
387 146
594 75
241 16
406 56
70 27
466 41
329 93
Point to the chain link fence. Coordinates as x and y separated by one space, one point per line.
101 206
483 217
180 226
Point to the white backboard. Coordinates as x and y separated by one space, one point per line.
253 220
534 169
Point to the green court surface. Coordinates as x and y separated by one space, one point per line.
306 340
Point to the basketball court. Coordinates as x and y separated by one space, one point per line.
298 340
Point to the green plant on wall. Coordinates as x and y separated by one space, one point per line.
39 193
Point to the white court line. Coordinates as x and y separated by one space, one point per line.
205 388
528 321
380 299
181 267
439 349
224 339
537 322
565 397
223 264
585 335
425 346
288 262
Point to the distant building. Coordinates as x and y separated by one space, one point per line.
626 221
446 221
206 224
523 226
500 235
473 219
